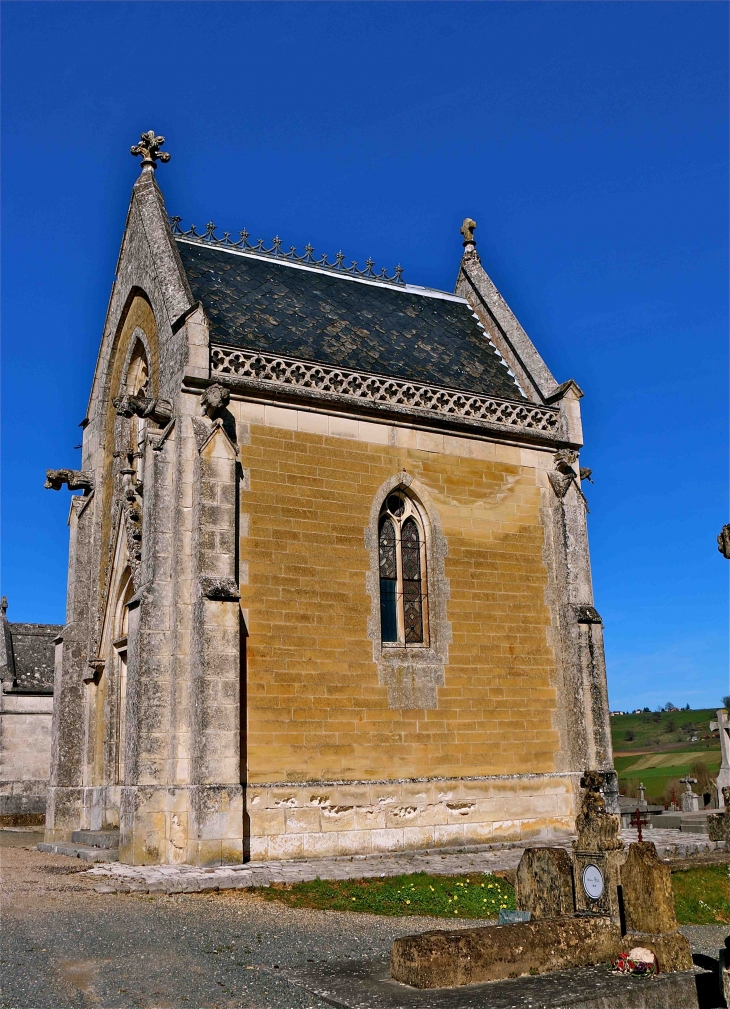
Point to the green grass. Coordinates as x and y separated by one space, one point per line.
476 895
702 895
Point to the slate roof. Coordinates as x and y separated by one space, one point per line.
31 660
269 306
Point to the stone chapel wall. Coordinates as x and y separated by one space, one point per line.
478 765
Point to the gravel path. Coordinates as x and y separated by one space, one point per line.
66 946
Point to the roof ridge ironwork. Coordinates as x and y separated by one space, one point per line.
276 252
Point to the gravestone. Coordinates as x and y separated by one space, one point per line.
448 958
690 801
642 805
597 852
544 884
718 824
648 906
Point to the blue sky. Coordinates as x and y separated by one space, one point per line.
588 140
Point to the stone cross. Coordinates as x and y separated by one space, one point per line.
149 147
467 230
639 821
723 778
642 796
690 801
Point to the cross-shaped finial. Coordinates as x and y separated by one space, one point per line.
149 147
688 783
639 821
467 230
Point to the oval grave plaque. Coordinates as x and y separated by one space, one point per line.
593 881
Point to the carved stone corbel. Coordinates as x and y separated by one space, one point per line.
96 668
214 401
587 615
76 479
723 541
221 589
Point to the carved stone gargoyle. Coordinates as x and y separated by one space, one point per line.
76 479
598 830
723 541
158 410
565 473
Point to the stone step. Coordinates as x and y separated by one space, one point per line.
97 838
86 852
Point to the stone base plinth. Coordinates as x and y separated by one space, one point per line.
192 825
324 819
368 985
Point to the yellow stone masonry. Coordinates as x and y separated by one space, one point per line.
315 708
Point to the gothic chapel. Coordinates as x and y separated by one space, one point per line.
329 588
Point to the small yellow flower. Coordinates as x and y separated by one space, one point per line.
432 889
353 898
482 886
408 902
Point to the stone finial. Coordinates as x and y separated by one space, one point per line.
214 401
723 541
149 147
76 479
598 830
467 230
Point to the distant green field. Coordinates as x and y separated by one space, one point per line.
666 729
662 749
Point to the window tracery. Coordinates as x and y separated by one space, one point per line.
402 563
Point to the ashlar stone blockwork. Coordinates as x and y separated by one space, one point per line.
223 690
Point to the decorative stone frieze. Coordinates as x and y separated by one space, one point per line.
259 370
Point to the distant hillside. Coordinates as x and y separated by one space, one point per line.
659 748
664 730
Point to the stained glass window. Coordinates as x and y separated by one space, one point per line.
402 562
412 610
388 582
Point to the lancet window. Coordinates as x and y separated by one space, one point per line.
402 560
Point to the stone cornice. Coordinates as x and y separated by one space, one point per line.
292 379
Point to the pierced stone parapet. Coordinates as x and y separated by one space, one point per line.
279 372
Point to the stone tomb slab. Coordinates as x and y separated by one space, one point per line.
367 984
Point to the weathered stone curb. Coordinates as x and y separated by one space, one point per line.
121 878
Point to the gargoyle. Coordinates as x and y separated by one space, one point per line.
723 541
77 479
565 473
158 410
